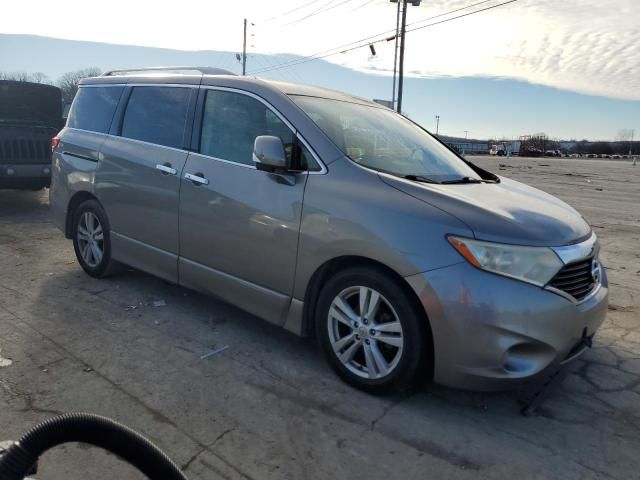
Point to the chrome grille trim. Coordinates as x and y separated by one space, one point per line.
578 251
575 280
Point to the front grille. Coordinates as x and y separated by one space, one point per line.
575 279
25 145
23 150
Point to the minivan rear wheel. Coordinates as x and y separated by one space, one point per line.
370 332
92 240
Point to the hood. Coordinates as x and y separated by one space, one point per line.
507 212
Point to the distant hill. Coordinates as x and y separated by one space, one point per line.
55 57
486 107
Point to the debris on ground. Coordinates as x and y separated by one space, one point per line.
214 352
5 362
159 303
131 307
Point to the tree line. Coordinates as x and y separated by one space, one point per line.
606 148
67 83
623 144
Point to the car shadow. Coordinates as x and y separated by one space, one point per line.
186 355
24 206
202 321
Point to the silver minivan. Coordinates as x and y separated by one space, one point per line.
331 216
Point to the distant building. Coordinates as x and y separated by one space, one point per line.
463 145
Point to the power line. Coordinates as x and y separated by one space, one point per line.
373 39
290 72
463 15
266 59
388 32
315 12
306 4
322 9
321 56
449 12
367 2
257 59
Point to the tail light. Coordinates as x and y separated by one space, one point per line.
54 143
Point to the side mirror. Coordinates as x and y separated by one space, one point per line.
268 153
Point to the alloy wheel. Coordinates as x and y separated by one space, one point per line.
365 332
90 236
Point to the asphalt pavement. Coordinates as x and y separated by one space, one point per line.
229 396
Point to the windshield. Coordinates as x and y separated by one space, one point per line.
381 139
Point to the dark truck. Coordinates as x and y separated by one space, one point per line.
30 115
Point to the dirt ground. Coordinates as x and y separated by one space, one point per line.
268 407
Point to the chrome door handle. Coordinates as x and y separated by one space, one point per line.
166 168
197 178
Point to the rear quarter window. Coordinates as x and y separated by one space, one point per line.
93 108
157 115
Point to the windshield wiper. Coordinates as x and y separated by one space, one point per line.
465 180
419 178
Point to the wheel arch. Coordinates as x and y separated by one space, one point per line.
76 200
331 267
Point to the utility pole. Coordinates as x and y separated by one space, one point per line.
403 31
464 148
395 57
437 124
244 49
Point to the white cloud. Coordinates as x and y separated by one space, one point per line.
587 46
590 46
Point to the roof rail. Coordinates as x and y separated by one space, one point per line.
200 70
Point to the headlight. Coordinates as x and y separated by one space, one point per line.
535 265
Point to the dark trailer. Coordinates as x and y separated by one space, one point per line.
30 115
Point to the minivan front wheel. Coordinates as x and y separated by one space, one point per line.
91 239
370 331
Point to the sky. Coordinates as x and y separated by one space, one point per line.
587 52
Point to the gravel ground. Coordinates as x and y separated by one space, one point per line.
268 407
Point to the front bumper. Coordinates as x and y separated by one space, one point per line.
25 176
491 332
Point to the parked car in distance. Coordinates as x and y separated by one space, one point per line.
30 115
499 149
332 216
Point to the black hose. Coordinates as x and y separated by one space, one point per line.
95 430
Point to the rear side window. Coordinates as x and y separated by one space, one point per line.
157 115
93 108
232 121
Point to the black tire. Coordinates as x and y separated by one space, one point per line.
107 266
414 365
